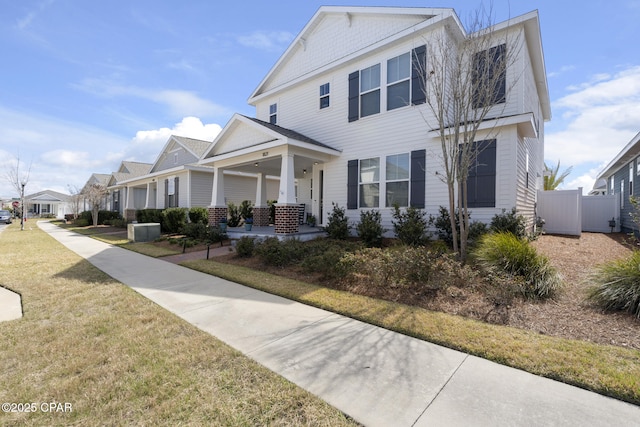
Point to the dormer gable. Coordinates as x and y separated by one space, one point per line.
179 151
336 34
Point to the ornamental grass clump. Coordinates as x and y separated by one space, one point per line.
617 285
507 254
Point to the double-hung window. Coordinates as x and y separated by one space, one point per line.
398 81
324 95
273 114
370 91
397 182
370 183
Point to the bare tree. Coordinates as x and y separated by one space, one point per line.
76 199
19 180
95 194
464 76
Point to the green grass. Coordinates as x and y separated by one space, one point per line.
119 359
609 370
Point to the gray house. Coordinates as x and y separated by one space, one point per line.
621 176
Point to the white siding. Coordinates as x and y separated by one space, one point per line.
174 158
201 187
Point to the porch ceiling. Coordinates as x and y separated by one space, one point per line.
271 166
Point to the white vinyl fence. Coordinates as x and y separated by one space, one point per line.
569 212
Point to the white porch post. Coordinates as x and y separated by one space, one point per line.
218 207
261 210
130 208
217 195
147 203
287 193
287 208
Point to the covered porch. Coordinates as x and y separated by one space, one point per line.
254 148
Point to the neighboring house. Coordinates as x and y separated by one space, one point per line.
339 119
174 179
48 203
118 191
621 176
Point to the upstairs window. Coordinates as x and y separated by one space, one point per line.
273 114
324 95
398 81
370 91
489 77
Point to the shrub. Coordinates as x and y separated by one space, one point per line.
505 253
233 212
443 224
370 228
174 219
149 215
323 256
404 266
278 253
119 223
214 235
617 285
337 223
509 222
411 226
104 217
198 214
81 222
195 230
245 247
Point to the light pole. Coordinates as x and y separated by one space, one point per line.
22 202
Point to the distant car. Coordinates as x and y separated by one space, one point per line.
5 216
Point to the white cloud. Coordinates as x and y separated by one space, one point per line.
267 40
180 103
600 119
146 145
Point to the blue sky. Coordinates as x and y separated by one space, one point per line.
85 85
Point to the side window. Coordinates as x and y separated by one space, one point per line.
324 95
481 181
273 114
489 77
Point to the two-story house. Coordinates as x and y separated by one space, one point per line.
341 118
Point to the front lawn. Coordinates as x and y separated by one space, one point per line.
118 359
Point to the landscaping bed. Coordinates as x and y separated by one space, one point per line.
568 315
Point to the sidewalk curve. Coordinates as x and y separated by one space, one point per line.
378 377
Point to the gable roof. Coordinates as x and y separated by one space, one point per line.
128 170
48 196
195 147
391 23
626 155
256 133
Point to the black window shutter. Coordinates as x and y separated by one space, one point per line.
166 193
354 96
352 184
418 68
481 182
418 174
175 192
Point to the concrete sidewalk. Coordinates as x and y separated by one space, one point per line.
378 377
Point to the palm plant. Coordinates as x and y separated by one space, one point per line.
553 178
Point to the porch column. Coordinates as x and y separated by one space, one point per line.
129 207
287 208
147 203
261 209
218 208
